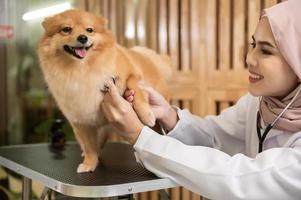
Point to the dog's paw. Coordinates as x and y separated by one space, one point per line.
89 164
82 168
146 115
150 119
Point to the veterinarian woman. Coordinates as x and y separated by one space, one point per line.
252 150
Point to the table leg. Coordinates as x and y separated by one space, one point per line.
46 193
164 195
26 188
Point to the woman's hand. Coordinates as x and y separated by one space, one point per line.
120 114
162 110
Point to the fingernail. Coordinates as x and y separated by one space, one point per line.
141 83
105 89
113 79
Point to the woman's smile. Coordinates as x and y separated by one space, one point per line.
254 77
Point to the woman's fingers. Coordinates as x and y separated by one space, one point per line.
120 114
129 92
151 91
130 99
112 95
129 95
115 101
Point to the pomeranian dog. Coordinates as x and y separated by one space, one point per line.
78 54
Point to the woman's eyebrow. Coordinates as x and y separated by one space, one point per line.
263 42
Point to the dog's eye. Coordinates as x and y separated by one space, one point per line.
67 29
90 30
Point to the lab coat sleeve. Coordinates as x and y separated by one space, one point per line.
272 174
221 132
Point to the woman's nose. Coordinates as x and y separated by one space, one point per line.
251 59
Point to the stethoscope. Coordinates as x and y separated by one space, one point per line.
267 129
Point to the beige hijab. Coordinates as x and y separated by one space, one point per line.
285 22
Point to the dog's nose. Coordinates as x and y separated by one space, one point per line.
82 39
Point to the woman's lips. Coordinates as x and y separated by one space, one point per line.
254 77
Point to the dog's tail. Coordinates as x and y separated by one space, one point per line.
162 60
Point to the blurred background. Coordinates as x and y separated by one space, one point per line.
207 41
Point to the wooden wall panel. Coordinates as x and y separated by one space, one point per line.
211 36
218 100
269 3
253 16
239 37
163 28
141 23
185 35
104 9
174 33
120 22
112 13
207 41
223 34
195 43
153 25
154 195
130 33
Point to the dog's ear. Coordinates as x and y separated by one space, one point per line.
101 23
51 25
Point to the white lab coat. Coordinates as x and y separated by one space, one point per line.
232 169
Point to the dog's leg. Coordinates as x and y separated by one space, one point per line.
140 103
87 138
103 135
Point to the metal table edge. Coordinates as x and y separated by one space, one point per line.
88 191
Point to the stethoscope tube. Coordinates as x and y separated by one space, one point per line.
262 137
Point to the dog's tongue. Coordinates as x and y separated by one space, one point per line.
81 52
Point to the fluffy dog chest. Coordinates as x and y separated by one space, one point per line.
79 98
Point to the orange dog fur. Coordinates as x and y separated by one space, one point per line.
77 55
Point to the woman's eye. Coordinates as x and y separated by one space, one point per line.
67 29
90 30
253 44
266 52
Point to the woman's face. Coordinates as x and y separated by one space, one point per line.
269 73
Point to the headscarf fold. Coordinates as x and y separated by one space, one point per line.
290 120
285 21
